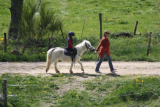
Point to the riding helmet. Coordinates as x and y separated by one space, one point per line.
71 33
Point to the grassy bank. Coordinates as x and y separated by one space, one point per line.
58 90
122 49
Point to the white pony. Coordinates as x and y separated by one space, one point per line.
55 54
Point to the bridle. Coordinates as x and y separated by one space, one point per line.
87 46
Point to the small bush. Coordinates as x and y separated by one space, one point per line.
123 22
121 34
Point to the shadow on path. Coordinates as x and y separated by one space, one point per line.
84 75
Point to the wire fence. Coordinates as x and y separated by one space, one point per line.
1 98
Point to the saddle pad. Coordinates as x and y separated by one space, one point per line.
69 53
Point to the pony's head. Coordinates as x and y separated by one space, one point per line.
88 45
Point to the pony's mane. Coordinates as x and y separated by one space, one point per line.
81 42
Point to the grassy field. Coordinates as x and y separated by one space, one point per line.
59 90
117 16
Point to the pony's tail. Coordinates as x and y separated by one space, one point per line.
49 58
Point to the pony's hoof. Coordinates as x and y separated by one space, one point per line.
57 72
83 72
71 72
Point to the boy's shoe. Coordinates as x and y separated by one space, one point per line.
114 70
98 71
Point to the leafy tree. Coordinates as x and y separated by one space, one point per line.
16 13
38 21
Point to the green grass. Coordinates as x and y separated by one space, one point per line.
105 90
4 16
117 16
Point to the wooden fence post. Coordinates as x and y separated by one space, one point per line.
83 29
100 20
135 28
4 85
49 44
149 42
62 32
5 42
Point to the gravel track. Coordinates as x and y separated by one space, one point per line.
123 68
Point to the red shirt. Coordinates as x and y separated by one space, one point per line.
70 44
104 45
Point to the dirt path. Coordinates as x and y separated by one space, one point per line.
123 68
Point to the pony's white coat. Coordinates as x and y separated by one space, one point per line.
55 54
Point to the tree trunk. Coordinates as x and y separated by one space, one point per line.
16 14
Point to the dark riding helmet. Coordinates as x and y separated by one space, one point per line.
71 33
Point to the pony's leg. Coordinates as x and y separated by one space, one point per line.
50 59
55 66
81 65
48 63
71 68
